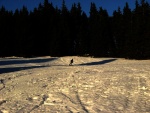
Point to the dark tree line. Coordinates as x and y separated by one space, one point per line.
48 30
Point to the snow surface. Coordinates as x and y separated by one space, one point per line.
91 85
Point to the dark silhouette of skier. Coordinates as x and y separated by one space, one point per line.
71 62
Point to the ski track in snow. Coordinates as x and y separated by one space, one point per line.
91 85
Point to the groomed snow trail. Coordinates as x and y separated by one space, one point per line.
91 85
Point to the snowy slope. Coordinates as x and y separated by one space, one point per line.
91 85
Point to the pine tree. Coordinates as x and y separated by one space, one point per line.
4 32
93 30
127 30
65 39
117 27
140 22
75 26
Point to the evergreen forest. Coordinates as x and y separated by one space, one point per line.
53 31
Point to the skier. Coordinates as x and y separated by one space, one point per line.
71 62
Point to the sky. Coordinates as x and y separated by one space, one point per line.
109 5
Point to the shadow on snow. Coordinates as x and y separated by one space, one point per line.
98 63
13 69
24 61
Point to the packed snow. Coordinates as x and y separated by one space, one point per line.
91 85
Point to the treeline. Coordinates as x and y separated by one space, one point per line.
49 30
